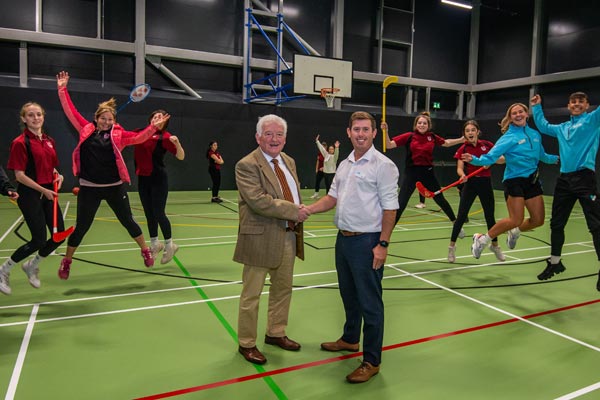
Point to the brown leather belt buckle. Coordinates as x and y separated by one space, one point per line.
348 233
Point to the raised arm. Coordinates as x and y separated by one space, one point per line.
76 119
322 149
179 153
540 120
390 144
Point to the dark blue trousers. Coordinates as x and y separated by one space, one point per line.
361 292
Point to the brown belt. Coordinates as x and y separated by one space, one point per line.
348 233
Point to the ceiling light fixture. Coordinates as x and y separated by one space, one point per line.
457 4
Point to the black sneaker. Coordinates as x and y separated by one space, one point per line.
216 200
551 270
598 283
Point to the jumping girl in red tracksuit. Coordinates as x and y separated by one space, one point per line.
99 164
34 161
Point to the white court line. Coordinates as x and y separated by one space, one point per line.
156 307
14 380
455 268
9 230
580 392
501 311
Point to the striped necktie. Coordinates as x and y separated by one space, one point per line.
285 188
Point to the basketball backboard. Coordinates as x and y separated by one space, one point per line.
312 73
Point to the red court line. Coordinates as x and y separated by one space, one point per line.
335 359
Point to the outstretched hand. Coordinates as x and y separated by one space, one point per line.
535 100
161 121
62 79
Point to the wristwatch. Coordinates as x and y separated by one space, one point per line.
383 243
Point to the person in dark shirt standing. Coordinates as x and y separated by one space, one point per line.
99 164
215 161
153 185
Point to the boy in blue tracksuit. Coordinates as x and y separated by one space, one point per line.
522 149
578 140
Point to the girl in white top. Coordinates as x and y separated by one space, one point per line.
330 163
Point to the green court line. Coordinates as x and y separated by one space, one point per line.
268 380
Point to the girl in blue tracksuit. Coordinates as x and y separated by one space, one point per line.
522 148
578 140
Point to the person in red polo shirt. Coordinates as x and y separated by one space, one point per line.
33 159
153 184
419 146
479 185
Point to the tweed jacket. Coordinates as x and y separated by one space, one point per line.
263 212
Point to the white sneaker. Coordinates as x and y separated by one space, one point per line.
169 253
32 271
155 249
4 286
461 234
315 196
420 205
497 252
451 254
478 245
511 238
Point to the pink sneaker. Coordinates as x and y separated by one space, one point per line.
147 255
65 268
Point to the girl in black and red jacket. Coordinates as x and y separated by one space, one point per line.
33 159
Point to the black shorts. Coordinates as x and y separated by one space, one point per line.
527 188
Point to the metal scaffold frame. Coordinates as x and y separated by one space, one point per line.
268 89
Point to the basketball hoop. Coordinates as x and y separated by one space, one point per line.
329 95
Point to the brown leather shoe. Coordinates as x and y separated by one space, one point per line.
363 373
284 342
252 354
340 345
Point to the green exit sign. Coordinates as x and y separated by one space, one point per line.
436 105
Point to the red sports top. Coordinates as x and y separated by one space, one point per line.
420 150
43 152
479 149
142 153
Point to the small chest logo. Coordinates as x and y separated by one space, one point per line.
106 136
49 144
483 148
429 138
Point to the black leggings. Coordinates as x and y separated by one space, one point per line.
153 191
37 213
318 179
425 175
215 175
475 187
328 181
88 202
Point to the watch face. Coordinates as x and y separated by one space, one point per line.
383 243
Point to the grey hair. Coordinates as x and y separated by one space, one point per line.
270 118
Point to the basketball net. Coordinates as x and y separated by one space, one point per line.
329 95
